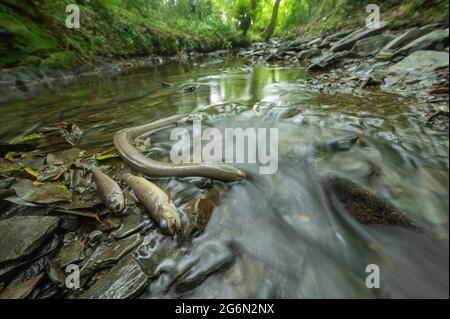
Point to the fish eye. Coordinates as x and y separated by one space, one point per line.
163 224
113 201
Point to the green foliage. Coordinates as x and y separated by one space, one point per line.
33 32
61 60
21 37
111 28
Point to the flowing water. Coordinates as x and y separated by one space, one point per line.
283 235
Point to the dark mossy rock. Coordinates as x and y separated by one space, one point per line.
365 206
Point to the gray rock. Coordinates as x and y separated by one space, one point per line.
131 224
308 54
124 280
436 40
349 41
421 62
371 46
314 42
329 60
295 45
328 41
32 263
72 253
410 35
107 254
339 35
187 270
23 235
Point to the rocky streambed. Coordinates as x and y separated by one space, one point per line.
362 178
414 61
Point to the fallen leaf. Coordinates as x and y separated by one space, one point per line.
25 138
104 156
79 213
29 170
44 193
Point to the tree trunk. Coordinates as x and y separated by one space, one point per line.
273 23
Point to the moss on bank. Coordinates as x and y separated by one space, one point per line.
34 33
336 15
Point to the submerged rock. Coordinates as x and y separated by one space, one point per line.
187 270
204 207
206 259
365 206
23 235
124 280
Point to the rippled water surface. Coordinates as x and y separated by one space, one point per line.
284 235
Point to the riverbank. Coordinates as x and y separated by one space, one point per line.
38 49
411 61
22 82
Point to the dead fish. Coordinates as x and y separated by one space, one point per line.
159 206
109 191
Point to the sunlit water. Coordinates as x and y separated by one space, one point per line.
281 235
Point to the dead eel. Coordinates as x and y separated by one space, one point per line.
158 205
124 143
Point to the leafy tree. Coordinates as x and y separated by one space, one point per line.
273 22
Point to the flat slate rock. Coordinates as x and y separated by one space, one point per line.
72 253
124 280
401 40
107 254
436 40
421 62
131 224
23 235
371 46
349 41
